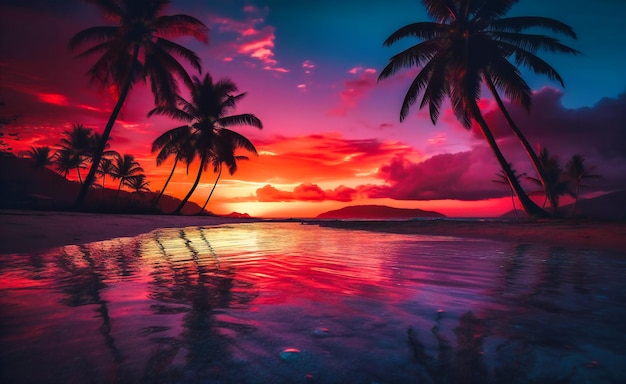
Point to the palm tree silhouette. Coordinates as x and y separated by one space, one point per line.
207 117
66 160
577 172
137 48
137 183
555 184
175 142
41 157
502 178
468 44
78 143
105 168
125 167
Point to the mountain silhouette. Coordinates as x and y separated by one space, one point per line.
377 212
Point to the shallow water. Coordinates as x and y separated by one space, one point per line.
291 303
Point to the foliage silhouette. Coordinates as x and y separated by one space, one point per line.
207 135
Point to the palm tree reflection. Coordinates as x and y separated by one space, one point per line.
201 288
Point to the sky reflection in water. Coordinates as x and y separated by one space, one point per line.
270 302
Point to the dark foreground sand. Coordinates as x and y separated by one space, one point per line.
30 231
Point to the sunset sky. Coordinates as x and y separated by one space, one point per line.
332 135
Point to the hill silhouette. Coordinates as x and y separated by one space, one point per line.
24 187
377 212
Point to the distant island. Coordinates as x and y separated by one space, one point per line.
377 212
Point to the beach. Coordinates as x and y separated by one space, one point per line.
31 231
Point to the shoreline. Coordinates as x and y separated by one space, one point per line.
23 232
583 234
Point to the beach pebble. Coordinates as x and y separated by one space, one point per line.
290 354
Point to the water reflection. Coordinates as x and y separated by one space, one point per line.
221 304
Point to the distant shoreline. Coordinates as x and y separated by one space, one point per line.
32 231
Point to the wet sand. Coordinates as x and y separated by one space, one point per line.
31 231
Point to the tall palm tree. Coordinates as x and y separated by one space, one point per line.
175 142
555 183
502 178
78 143
124 168
577 172
469 44
41 157
207 118
137 48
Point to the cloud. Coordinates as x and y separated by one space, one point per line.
597 132
303 192
354 90
251 38
308 66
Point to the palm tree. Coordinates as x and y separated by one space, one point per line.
577 172
65 160
105 168
124 168
468 44
175 142
225 154
208 120
137 48
137 183
78 143
502 178
555 184
41 157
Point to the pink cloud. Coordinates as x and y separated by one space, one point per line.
353 91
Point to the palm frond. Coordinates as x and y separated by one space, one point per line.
242 119
182 25
518 24
421 30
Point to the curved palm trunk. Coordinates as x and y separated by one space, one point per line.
156 202
529 206
80 200
80 179
193 188
212 189
518 134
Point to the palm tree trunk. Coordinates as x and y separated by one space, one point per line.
212 189
80 179
80 200
513 202
193 188
529 206
518 134
573 211
156 202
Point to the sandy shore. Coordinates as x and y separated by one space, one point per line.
31 231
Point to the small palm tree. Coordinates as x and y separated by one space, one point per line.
175 142
470 44
137 48
41 157
124 168
555 183
577 172
207 117
502 178
66 160
105 168
78 143
137 183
